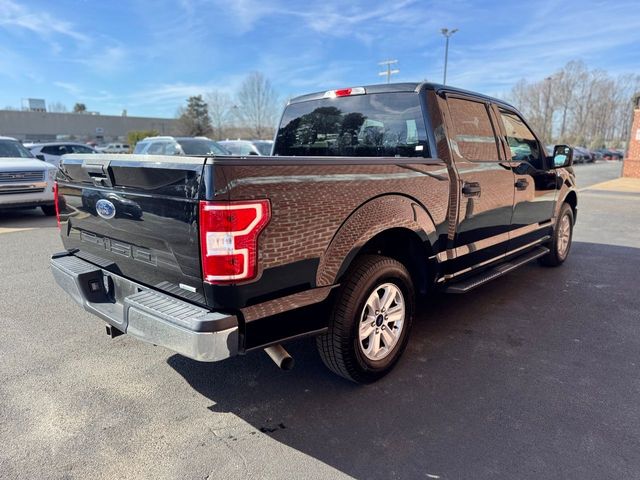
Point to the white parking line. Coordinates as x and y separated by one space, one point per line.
11 230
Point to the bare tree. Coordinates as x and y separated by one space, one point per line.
579 106
57 107
220 106
257 104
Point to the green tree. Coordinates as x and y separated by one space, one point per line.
136 135
79 108
194 119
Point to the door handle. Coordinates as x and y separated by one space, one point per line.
522 184
471 189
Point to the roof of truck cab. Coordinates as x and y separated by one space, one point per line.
403 87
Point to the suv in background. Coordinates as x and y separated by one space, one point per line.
248 147
114 148
51 152
25 182
179 146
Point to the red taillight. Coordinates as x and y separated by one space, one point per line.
229 239
345 92
56 203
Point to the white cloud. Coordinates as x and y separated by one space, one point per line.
544 40
70 88
43 24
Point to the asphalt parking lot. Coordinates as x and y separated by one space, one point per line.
535 375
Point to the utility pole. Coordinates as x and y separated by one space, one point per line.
546 110
447 34
388 72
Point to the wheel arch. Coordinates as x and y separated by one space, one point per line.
393 225
572 199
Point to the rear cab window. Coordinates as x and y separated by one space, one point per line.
370 125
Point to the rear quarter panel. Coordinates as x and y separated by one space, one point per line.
322 209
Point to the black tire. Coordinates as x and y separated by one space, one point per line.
557 255
48 210
340 348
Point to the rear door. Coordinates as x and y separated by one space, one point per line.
486 182
135 216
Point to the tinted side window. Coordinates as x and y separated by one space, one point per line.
54 150
194 146
263 147
171 149
79 149
473 136
156 148
141 147
521 141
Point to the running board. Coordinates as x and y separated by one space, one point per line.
481 278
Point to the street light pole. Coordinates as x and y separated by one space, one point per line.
447 34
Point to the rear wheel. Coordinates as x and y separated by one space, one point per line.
48 210
370 320
561 241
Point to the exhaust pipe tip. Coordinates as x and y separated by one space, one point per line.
280 357
287 363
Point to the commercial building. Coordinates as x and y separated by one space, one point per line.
38 126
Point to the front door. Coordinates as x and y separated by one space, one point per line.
535 184
486 186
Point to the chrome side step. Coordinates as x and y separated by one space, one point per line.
463 286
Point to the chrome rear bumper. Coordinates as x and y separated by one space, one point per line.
147 314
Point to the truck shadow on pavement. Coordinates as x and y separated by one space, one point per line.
25 218
525 376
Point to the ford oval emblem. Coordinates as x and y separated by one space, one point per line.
105 208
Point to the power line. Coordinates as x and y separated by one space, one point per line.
388 72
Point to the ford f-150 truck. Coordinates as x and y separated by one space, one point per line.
373 196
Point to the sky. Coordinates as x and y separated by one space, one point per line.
148 56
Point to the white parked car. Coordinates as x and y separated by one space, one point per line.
114 148
25 181
52 152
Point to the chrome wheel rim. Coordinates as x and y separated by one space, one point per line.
381 322
564 235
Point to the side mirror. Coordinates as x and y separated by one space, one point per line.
40 156
562 156
253 153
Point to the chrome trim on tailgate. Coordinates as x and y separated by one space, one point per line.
147 314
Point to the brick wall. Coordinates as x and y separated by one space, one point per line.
632 161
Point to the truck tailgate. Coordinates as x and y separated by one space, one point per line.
136 216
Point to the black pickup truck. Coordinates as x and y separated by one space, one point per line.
372 196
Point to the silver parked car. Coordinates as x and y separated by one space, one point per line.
248 147
179 146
